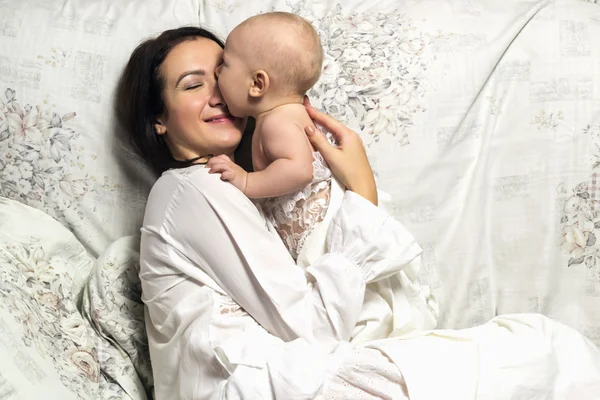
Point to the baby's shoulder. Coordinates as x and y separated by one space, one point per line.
289 116
294 111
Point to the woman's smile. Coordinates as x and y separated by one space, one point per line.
221 119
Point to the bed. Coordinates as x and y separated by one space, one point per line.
481 119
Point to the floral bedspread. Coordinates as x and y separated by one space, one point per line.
71 327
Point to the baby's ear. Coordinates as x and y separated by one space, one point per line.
260 84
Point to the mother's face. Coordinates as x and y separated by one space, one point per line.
196 121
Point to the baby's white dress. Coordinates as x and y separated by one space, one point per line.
295 215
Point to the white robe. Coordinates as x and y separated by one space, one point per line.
229 315
393 305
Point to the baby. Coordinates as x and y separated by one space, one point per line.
269 62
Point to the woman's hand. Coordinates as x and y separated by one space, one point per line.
348 161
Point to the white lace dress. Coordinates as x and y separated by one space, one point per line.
295 215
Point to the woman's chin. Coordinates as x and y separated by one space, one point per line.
230 138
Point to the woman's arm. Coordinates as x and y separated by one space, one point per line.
230 243
265 367
221 233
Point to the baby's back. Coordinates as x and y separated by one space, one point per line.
290 117
293 215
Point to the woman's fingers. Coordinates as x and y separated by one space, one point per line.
331 124
306 101
319 141
312 128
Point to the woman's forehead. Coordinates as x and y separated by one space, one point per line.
200 53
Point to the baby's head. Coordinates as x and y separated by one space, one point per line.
269 59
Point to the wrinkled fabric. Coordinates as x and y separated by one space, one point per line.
230 316
203 238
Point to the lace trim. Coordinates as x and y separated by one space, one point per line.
295 215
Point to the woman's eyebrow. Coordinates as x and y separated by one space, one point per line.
194 72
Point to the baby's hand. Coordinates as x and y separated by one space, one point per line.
230 171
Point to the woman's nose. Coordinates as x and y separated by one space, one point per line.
218 70
216 98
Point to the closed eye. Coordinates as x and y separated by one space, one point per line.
194 86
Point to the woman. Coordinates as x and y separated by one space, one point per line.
229 315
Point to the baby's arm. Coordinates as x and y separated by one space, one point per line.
290 169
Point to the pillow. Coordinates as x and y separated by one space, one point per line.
112 303
49 350
59 66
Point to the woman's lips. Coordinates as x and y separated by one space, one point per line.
219 119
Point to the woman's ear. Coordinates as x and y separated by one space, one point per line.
159 126
260 84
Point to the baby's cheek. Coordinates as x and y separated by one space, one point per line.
225 92
221 83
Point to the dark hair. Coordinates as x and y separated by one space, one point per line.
139 98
